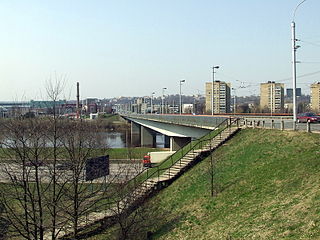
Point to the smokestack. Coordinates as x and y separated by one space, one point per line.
78 101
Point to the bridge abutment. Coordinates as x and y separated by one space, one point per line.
178 142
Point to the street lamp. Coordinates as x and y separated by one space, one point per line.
162 106
152 94
234 100
294 63
180 108
212 89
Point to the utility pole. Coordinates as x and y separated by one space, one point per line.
152 94
180 107
212 90
234 100
162 100
78 101
294 65
294 72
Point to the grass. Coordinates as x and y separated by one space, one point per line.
268 188
131 153
161 167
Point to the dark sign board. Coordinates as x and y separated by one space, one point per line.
97 167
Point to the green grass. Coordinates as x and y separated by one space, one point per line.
131 153
158 169
268 188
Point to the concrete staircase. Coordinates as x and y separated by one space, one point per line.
163 176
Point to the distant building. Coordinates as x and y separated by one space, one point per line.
272 96
187 108
221 97
315 97
290 92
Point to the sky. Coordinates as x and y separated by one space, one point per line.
133 48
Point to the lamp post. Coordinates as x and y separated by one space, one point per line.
294 63
162 100
234 100
151 102
212 90
180 107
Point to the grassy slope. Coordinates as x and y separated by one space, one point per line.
269 189
269 183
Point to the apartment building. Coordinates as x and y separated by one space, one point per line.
221 97
315 97
272 96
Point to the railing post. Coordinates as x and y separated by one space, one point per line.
254 124
308 126
245 123
272 124
282 125
237 122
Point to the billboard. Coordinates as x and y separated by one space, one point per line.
97 167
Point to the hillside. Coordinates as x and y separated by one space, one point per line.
268 187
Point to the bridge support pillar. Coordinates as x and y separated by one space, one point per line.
147 138
178 142
135 134
166 141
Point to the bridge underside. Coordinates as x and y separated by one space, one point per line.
143 133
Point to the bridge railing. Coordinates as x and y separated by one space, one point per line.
188 120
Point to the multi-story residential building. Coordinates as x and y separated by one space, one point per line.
221 97
272 96
315 97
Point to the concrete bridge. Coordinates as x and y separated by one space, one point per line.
178 130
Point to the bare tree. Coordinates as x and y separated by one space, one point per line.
26 150
80 144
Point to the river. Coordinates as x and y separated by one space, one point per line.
118 140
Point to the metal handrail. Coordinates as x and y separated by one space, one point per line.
200 139
159 168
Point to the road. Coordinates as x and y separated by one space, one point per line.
119 172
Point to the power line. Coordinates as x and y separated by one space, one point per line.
311 43
300 76
309 62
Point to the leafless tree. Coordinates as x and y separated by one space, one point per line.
79 144
26 150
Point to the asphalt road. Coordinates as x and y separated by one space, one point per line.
119 172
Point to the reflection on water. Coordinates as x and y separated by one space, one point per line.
160 141
118 140
114 139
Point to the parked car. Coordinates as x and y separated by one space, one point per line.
308 117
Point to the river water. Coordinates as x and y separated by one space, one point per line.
119 140
115 140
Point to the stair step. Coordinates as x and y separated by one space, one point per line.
167 175
176 167
173 170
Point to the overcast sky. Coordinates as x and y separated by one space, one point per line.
133 48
